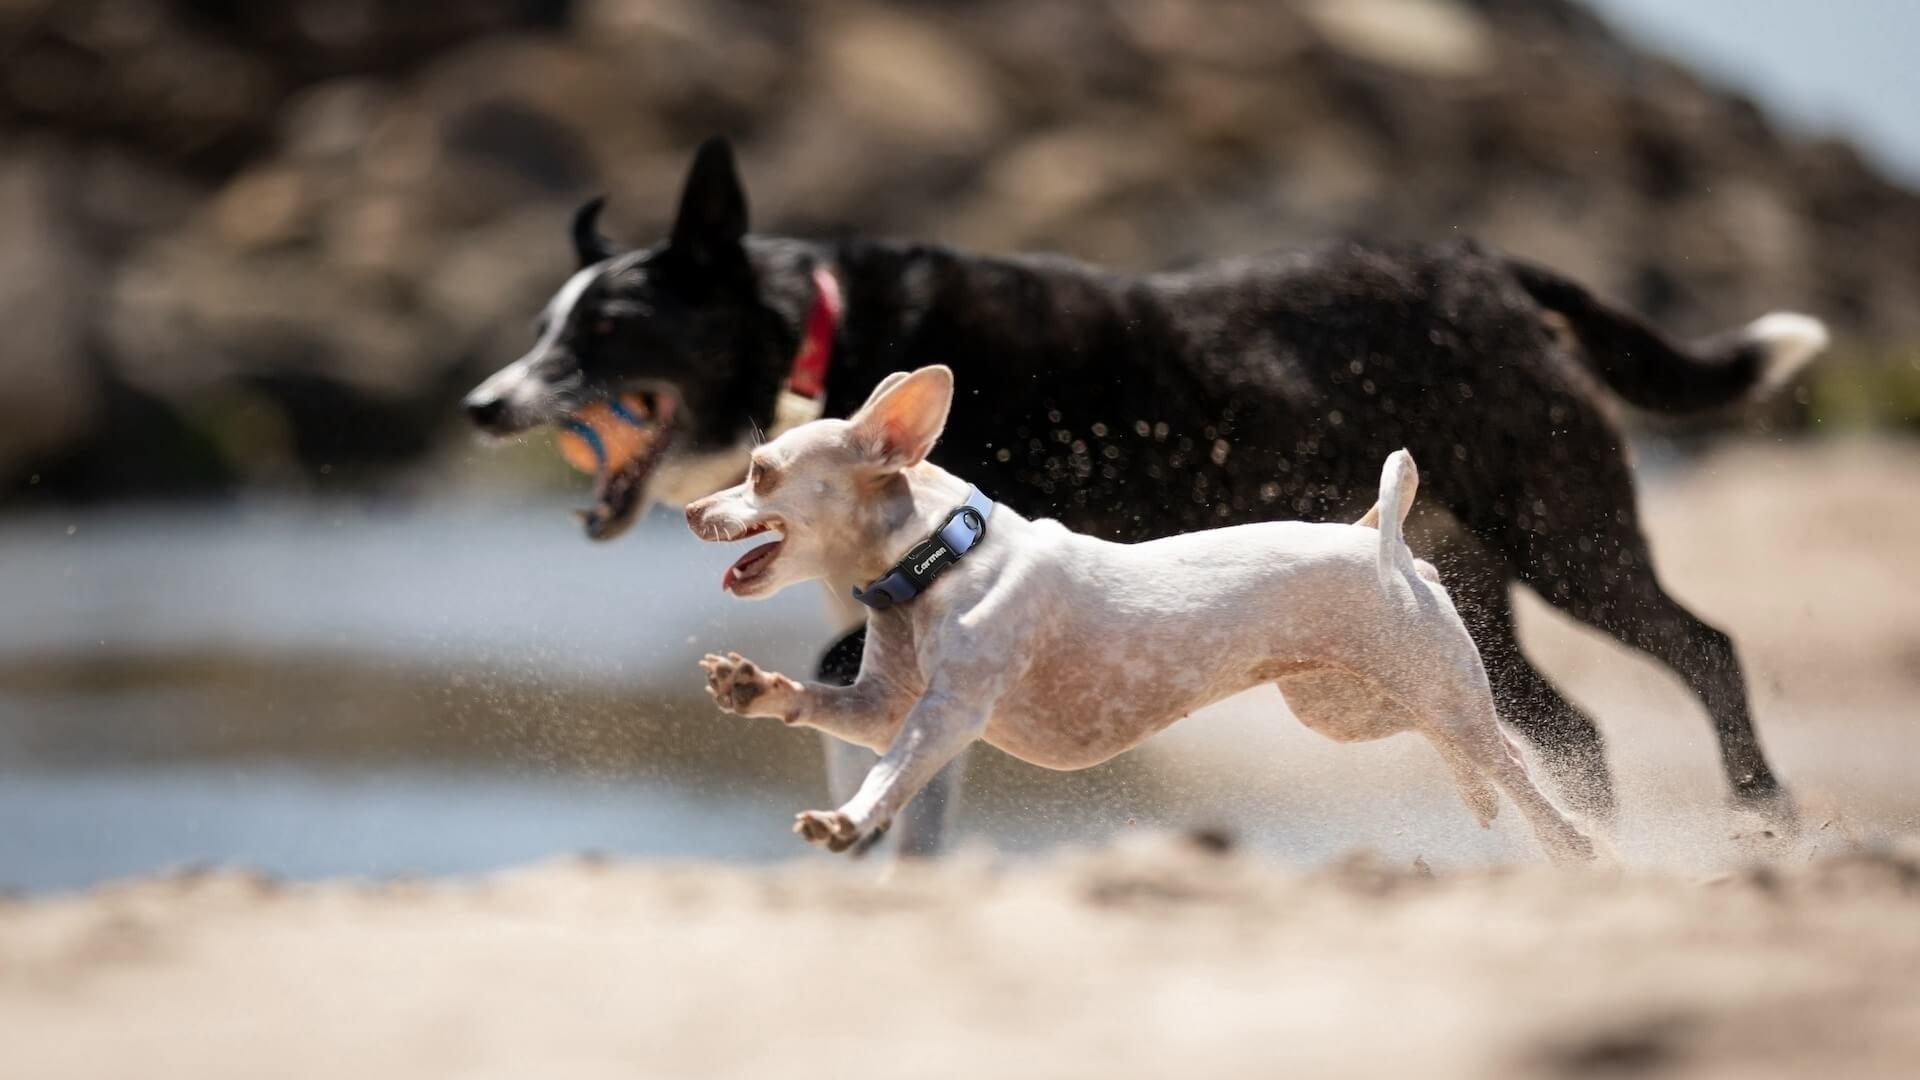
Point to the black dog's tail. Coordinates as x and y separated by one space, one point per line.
1648 371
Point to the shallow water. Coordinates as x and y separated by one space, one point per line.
468 584
361 689
68 828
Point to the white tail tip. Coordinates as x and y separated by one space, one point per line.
1401 461
1790 341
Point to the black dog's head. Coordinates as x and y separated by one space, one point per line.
693 322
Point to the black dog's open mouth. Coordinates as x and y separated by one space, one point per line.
621 442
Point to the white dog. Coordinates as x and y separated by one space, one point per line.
1064 650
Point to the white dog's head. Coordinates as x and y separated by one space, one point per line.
834 492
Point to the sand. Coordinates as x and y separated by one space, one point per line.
1697 955
1154 959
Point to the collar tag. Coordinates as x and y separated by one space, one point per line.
963 530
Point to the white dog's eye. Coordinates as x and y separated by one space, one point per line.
759 477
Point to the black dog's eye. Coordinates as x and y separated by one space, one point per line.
603 327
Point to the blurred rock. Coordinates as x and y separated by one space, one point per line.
47 293
1437 38
352 207
911 79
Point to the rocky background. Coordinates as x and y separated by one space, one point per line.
271 243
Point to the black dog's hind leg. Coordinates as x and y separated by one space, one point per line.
1639 613
1575 539
922 827
847 764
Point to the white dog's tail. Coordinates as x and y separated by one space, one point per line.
1398 481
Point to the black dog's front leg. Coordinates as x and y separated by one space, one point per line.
922 826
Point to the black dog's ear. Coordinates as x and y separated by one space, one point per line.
587 241
713 209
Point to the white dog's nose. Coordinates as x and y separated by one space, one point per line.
697 518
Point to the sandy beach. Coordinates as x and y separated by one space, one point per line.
1155 959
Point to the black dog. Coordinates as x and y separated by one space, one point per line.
1138 406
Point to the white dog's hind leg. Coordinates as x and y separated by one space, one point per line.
1470 738
1481 800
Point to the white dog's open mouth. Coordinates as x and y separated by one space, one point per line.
751 568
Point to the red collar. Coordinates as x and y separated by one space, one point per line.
808 377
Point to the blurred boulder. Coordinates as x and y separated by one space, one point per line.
298 230
1432 38
48 294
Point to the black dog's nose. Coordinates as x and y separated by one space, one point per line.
486 412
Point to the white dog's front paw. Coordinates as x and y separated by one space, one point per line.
830 829
738 686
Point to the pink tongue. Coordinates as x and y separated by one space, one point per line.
744 564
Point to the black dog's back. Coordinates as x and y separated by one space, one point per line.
1272 387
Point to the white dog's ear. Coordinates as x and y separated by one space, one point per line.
886 384
900 423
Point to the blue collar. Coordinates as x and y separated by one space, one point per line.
929 558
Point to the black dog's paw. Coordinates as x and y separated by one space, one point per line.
1765 821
